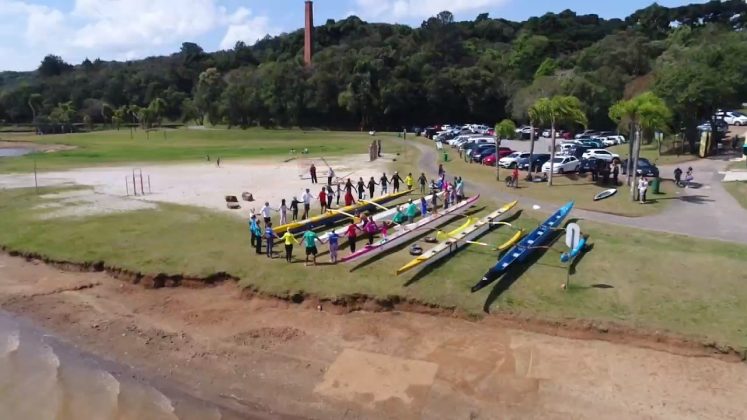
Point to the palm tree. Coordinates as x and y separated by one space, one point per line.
557 110
646 112
157 107
503 130
107 113
119 115
34 102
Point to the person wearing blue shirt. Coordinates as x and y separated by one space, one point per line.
253 229
270 237
334 241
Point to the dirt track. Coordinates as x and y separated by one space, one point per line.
275 357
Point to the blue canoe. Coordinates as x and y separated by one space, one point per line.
521 251
569 256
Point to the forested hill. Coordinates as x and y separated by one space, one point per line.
384 76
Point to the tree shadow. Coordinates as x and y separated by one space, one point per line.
693 199
473 249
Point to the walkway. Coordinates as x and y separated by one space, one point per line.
707 212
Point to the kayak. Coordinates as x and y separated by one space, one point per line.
569 256
334 216
404 233
377 217
457 241
521 251
442 236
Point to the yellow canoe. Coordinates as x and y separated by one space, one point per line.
337 215
458 240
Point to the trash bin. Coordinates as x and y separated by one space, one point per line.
656 185
446 157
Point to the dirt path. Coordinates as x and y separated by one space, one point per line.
707 212
260 355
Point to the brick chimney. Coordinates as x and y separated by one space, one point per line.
308 44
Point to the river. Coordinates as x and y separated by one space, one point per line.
43 378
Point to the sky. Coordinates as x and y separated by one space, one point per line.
131 29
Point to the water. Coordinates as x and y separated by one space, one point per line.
42 378
14 151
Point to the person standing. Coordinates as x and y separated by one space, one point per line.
434 201
361 188
423 206
312 172
349 185
283 210
411 212
371 229
266 212
294 208
447 196
515 176
384 184
352 234
306 198
289 240
678 177
339 193
349 201
334 242
270 236
396 179
423 181
440 169
371 188
689 177
310 238
642 188
258 237
409 181
615 172
253 228
460 190
330 196
323 199
330 176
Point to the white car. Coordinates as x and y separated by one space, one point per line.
512 160
562 164
600 154
732 117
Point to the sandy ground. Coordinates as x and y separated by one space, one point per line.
294 360
38 147
197 184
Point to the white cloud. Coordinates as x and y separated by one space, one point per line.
120 29
408 9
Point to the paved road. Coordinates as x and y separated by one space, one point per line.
707 211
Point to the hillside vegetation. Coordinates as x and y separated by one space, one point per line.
382 76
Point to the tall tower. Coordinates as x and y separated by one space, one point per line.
308 44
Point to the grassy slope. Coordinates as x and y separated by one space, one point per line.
738 190
107 147
657 280
650 152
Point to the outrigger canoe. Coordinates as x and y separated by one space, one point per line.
337 215
404 233
458 240
377 217
521 251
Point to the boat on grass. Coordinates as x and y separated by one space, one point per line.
376 217
334 216
404 233
457 240
521 251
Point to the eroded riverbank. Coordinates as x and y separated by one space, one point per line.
258 355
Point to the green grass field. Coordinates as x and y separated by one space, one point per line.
632 277
651 152
111 147
738 190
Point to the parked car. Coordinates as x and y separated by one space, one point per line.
525 132
645 168
537 162
483 152
512 160
721 126
429 132
562 164
587 165
593 143
600 154
586 133
502 152
577 151
731 117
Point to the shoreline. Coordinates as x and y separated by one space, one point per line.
584 329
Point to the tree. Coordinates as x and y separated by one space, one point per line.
503 130
53 65
64 114
207 96
119 116
157 107
34 102
644 112
554 111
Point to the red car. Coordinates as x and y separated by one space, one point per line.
502 152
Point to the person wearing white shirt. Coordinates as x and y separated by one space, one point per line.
266 213
306 198
642 188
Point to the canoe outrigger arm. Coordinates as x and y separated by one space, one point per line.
375 204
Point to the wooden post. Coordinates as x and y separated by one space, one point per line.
142 190
149 190
127 186
134 185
